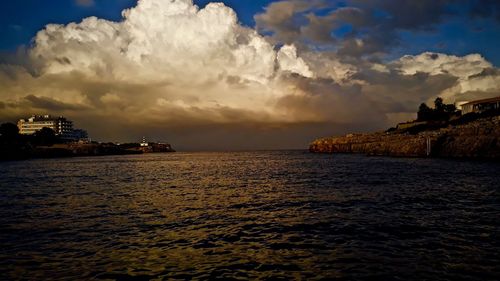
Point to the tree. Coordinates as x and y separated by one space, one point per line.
425 113
9 131
45 136
443 111
439 105
440 112
450 108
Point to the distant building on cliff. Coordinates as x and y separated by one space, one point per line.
81 135
60 125
148 147
479 106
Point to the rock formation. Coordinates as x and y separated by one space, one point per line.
477 139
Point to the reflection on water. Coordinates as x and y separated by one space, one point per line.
255 215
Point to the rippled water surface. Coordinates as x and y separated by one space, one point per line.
249 215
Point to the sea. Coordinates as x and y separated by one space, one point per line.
262 215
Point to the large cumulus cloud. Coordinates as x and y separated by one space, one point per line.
197 77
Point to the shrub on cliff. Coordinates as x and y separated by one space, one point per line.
425 113
440 112
9 132
45 137
12 145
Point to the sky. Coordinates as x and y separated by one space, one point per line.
242 74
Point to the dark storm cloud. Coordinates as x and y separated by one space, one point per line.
407 14
370 102
324 99
50 104
486 9
371 27
387 89
85 3
285 18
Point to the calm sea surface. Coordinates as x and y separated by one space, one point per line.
249 215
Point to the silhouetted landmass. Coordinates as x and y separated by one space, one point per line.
436 133
46 144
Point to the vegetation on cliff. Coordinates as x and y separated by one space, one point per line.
440 112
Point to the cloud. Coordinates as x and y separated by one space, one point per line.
167 62
85 3
170 70
360 28
288 61
172 46
284 18
486 9
50 104
473 73
436 63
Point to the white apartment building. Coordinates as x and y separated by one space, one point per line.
479 106
60 125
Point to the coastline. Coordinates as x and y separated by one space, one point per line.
478 139
25 152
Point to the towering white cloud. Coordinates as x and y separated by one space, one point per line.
288 61
200 55
157 41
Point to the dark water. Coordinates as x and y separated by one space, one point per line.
255 215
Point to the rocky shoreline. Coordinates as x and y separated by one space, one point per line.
17 152
479 139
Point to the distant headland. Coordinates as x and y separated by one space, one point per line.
44 136
471 131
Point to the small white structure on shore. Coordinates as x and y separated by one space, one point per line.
144 143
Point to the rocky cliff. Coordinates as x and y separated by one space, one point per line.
478 139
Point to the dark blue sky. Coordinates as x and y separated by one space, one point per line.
21 19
